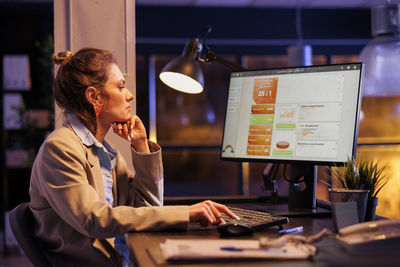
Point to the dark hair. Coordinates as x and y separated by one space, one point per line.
88 67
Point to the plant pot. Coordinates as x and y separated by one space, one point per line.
371 209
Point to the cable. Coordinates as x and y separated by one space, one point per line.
291 181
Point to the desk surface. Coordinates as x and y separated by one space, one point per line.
145 250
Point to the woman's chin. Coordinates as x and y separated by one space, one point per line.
122 119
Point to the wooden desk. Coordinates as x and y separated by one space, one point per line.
145 250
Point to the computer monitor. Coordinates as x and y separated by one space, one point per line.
304 116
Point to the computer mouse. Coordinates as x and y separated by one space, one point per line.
234 229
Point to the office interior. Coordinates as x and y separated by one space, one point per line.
189 128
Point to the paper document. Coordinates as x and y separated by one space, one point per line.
185 249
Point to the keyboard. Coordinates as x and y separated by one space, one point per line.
255 219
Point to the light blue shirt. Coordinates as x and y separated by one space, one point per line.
107 158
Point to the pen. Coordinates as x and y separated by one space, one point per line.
242 249
291 231
231 249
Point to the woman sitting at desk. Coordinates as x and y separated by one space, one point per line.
83 198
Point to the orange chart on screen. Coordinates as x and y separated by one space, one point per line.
264 91
261 116
282 144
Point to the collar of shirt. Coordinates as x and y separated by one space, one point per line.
87 137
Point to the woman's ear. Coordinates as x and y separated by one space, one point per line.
94 98
92 95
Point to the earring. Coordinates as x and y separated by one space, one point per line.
97 110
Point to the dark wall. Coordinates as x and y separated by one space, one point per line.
251 23
24 28
23 24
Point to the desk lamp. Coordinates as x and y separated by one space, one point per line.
184 73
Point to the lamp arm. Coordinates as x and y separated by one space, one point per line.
211 56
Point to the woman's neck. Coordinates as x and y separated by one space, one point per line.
101 131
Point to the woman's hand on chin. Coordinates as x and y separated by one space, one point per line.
134 131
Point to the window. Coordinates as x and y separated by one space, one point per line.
189 129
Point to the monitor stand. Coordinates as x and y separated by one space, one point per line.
302 191
303 186
301 196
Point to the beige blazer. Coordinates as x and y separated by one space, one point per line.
73 221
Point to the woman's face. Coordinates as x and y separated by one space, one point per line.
116 98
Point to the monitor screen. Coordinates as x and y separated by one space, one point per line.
302 114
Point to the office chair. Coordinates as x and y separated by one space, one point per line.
21 222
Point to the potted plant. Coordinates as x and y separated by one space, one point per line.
361 175
374 177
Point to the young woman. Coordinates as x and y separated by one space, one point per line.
83 197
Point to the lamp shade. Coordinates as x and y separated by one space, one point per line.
382 64
184 73
382 54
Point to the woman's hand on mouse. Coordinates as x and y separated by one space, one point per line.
209 212
134 131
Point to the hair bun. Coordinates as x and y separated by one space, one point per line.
62 57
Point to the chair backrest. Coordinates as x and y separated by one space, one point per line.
21 222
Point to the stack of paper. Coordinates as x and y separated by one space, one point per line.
185 249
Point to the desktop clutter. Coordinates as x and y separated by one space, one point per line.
285 247
368 238
372 237
288 246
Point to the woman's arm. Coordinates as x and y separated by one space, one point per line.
146 188
149 178
70 179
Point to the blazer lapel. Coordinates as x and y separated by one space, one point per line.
97 178
114 188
